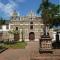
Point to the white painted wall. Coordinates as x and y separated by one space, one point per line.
54 36
4 28
59 36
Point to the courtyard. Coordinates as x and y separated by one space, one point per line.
29 30
30 52
20 54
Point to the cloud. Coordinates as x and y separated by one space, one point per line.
7 8
16 1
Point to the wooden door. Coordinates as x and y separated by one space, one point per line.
16 37
31 36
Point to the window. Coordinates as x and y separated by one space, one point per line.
31 25
16 28
31 22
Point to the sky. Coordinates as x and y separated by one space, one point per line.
23 7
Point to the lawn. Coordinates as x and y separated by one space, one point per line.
16 45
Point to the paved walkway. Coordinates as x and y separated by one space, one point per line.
20 54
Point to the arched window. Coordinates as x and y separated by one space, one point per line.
31 25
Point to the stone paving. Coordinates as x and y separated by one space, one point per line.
20 54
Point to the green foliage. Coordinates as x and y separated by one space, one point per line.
48 12
16 45
23 40
2 21
14 31
22 35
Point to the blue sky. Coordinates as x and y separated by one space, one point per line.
21 6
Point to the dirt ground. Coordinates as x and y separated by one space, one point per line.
31 52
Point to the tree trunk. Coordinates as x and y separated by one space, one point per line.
22 36
45 30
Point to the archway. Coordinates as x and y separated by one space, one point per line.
31 36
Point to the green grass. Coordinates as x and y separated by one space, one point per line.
16 45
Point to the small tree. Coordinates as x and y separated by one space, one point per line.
22 35
15 33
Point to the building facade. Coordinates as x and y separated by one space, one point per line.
31 25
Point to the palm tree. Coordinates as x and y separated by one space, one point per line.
55 15
48 10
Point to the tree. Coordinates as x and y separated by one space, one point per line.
2 21
55 15
22 33
48 10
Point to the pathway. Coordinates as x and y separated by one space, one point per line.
20 54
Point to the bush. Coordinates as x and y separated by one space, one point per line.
23 41
17 44
9 42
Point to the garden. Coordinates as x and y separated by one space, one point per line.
12 44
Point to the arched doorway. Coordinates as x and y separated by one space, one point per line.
31 36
